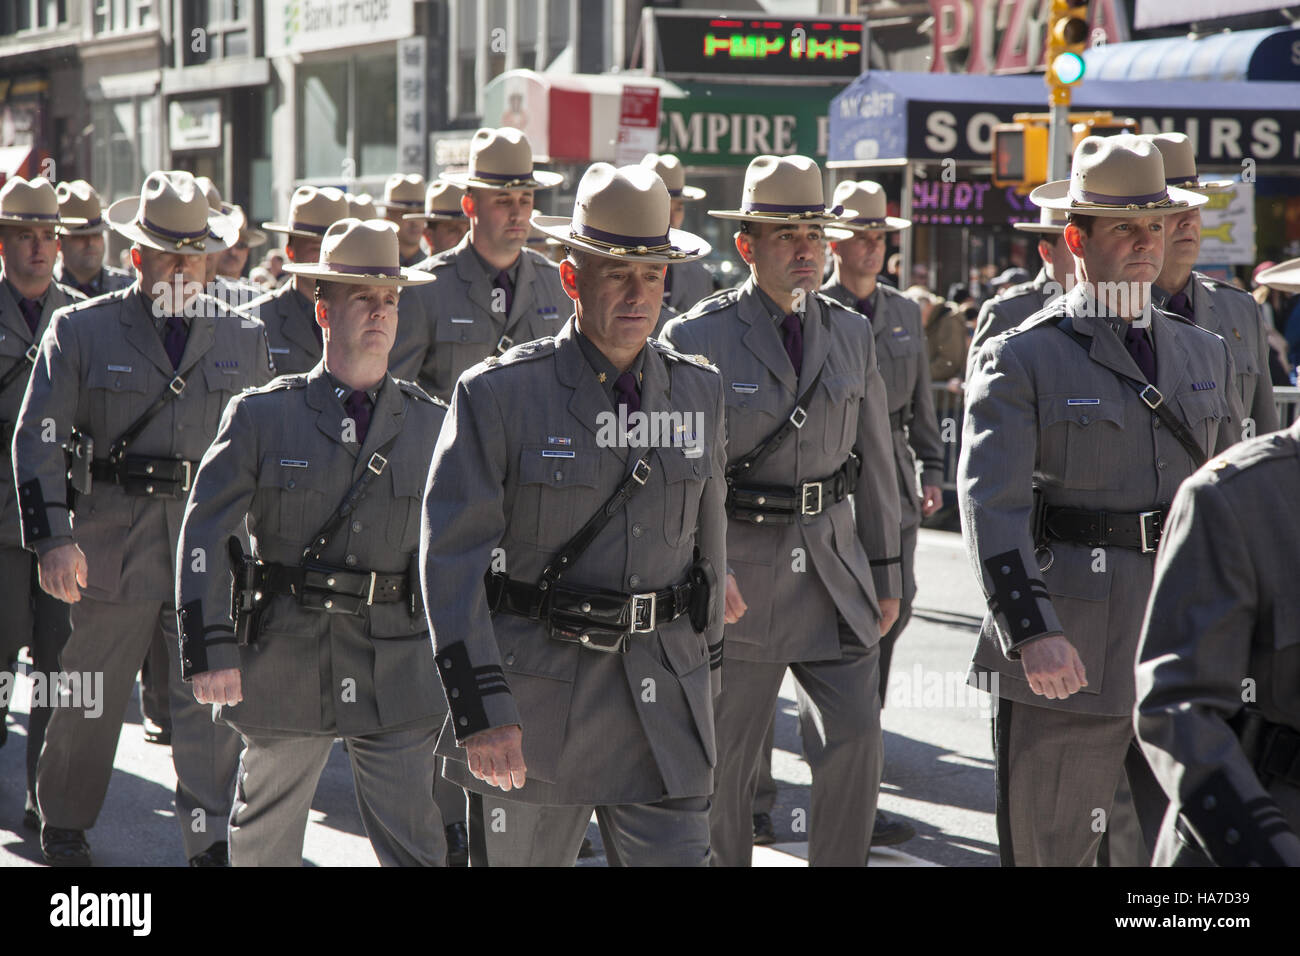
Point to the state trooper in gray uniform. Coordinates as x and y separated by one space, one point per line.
1080 425
404 193
30 220
328 468
233 292
81 248
492 292
685 283
444 219
1215 306
1012 306
812 585
580 674
289 312
143 374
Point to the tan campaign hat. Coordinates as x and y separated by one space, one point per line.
360 252
1116 177
361 206
1285 276
868 199
623 213
403 192
1180 164
1050 223
232 211
784 189
78 200
441 203
172 215
502 159
312 211
670 170
25 202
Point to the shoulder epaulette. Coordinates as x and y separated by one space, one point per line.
1218 284
415 391
1242 456
712 303
98 301
670 353
834 303
279 383
1019 289
522 353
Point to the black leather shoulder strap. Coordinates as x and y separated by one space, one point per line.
772 442
374 468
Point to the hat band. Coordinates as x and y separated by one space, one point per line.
1106 199
308 227
409 203
505 179
1183 182
180 238
42 216
626 245
869 221
387 272
816 209
458 213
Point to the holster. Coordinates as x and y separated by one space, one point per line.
704 590
247 601
81 452
1038 519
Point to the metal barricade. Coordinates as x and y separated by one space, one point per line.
948 409
1286 398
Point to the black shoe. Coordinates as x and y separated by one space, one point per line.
764 834
64 847
216 855
4 725
156 733
890 831
457 845
31 816
587 850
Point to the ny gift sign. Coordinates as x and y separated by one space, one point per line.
1006 36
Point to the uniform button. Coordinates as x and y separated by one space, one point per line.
1155 423
292 483
463 721
1209 803
1015 595
455 692
446 663
1084 419
356 527
1161 463
1232 836
1024 622
634 580
1006 569
559 475
510 658
350 560
637 531
117 383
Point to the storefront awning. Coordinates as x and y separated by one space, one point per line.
1244 55
931 117
14 161
570 117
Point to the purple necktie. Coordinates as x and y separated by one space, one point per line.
502 281
31 310
1181 305
668 284
864 306
629 393
174 339
793 330
358 409
1140 349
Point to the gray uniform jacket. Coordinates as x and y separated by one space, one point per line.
691 282
905 367
459 328
290 318
795 577
1234 315
1040 412
1005 311
101 364
15 341
280 459
517 471
1221 629
108 280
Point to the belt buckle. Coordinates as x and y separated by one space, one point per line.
187 468
377 463
370 598
1152 402
803 499
177 385
798 416
503 344
641 473
640 601
33 352
1155 531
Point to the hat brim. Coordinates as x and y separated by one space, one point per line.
20 220
539 179
690 193
438 216
687 246
845 230
314 270
121 219
286 230
1040 228
86 230
1209 186
1285 276
253 237
825 218
1056 195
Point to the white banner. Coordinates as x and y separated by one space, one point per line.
195 124
297 26
1228 227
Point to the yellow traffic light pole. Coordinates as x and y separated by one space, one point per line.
1066 39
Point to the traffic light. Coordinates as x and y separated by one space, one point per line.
1100 124
1020 154
1066 40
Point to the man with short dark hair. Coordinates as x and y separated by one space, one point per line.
81 263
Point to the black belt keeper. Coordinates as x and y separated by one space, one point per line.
1136 531
779 504
1272 749
141 476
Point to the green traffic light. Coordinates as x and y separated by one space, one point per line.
1068 68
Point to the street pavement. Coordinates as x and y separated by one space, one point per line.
938 759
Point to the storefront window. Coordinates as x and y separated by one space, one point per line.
348 124
376 98
323 122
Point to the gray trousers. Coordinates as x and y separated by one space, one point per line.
672 832
450 798
155 684
393 774
839 719
76 763
1056 777
39 622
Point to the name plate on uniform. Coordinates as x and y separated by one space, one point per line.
294 462
459 321
119 368
275 351
552 453
1083 401
744 388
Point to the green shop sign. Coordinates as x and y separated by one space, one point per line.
729 125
